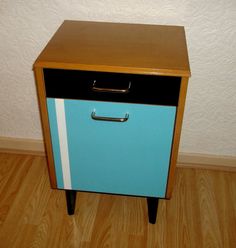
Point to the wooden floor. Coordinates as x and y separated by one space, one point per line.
201 213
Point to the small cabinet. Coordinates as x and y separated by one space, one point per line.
112 108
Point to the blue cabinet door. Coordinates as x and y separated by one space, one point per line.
130 157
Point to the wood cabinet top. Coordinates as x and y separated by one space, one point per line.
117 47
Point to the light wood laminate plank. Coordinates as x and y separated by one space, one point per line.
201 212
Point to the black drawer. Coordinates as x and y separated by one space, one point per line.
113 87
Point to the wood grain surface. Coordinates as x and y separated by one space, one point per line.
117 47
201 212
176 137
38 72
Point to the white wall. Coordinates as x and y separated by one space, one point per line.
210 118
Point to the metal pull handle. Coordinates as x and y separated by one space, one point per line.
110 90
103 118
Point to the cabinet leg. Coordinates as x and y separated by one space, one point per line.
70 200
152 203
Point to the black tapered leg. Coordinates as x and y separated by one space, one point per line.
70 200
152 203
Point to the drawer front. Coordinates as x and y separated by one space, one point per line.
114 87
129 157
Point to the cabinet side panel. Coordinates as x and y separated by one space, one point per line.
45 124
177 133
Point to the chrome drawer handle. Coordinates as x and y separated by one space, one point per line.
110 90
103 118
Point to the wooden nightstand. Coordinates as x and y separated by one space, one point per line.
112 100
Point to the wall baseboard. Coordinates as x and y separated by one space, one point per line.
186 160
22 146
207 161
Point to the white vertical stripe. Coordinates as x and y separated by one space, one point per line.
62 133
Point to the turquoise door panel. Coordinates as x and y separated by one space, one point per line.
130 157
